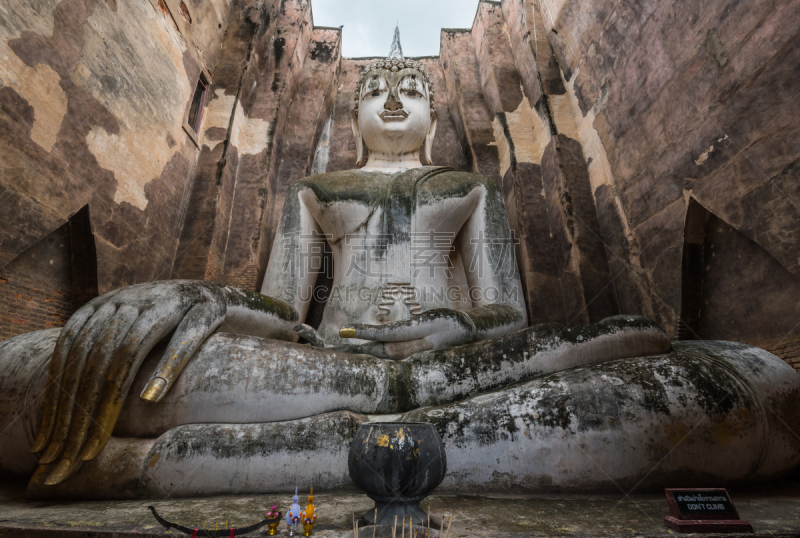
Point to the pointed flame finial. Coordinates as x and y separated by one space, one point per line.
396 50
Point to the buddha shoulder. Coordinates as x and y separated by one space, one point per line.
369 187
455 184
345 185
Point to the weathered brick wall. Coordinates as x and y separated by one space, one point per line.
788 351
28 305
36 288
246 280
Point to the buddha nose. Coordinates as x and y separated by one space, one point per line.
393 103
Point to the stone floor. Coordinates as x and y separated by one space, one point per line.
772 510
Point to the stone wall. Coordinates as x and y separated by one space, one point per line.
605 123
680 104
93 100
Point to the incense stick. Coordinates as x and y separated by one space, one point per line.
375 522
448 525
394 529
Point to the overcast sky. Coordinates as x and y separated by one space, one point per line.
369 24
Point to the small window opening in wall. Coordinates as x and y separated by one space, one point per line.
198 102
185 12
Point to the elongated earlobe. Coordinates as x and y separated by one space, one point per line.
357 135
429 138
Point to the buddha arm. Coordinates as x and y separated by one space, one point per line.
251 313
486 245
289 281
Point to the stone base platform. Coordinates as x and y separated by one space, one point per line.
773 510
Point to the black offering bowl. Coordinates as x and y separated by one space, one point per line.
397 464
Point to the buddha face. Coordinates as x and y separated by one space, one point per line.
394 115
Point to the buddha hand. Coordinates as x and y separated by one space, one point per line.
440 328
99 353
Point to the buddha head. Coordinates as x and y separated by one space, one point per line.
393 113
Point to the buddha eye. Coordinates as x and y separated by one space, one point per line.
374 85
409 87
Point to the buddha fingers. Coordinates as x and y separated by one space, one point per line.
66 340
310 334
57 363
100 352
150 327
91 388
199 323
420 326
68 387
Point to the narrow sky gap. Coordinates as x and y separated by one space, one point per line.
369 24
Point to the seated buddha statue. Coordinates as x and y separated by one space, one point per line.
194 388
